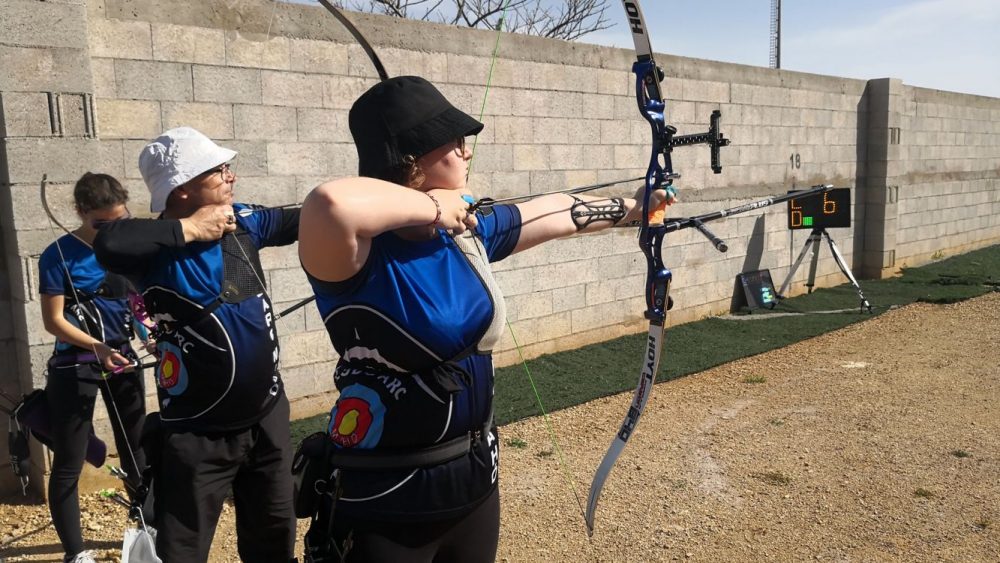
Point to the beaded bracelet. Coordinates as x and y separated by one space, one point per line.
437 207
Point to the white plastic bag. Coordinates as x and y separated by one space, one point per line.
140 546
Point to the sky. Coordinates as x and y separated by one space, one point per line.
949 45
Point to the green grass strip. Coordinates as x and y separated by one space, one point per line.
577 376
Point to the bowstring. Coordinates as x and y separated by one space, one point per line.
251 211
567 474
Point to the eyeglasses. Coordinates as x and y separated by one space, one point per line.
224 171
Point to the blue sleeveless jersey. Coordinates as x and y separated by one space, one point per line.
414 306
221 372
110 315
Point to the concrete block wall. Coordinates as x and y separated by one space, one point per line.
949 197
46 126
275 80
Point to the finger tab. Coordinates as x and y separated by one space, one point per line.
657 215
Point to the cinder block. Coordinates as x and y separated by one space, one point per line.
227 85
616 83
290 284
274 257
506 184
147 80
597 316
27 212
530 103
43 24
627 156
472 69
29 69
515 282
555 326
359 65
128 119
258 50
565 157
292 89
396 61
73 112
492 158
567 298
323 125
187 44
465 69
705 91
25 114
318 159
550 130
64 160
562 78
600 157
120 39
554 275
529 305
214 120
265 123
103 72
268 191
307 55
530 157
498 102
305 348
602 291
132 148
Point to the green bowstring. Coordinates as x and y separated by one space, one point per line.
527 371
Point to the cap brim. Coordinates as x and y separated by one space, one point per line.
444 128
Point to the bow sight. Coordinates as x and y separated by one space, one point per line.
713 138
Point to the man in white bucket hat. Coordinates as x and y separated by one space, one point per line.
175 158
223 411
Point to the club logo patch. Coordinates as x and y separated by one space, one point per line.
358 418
171 375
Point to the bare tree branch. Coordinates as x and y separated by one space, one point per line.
565 19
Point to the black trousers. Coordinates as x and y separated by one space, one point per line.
71 393
197 471
471 538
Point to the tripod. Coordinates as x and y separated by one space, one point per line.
812 245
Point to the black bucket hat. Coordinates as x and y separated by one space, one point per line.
405 115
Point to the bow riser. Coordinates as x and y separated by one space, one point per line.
649 98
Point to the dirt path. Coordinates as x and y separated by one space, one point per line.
878 442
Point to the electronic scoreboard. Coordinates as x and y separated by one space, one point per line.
828 210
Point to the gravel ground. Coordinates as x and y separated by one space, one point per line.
877 442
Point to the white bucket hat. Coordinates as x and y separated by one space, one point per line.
174 158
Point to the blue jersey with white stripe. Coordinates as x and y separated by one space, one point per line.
69 268
218 366
414 306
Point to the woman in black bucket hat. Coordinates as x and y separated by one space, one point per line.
400 268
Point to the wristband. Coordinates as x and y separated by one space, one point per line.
437 207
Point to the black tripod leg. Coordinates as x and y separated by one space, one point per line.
795 267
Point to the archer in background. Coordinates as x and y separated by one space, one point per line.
223 409
87 310
401 271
